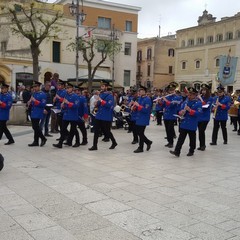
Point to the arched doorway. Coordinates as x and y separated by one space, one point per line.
2 79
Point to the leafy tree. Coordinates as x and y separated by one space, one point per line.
91 48
36 21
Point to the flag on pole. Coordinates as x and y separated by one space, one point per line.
227 69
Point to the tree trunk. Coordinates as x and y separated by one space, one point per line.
35 53
90 79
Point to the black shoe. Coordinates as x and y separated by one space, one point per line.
190 154
169 145
149 145
48 135
43 142
106 140
92 148
175 137
9 142
33 144
57 139
134 142
113 145
201 148
84 143
238 133
138 150
58 145
76 145
212 143
225 142
68 144
234 130
129 131
174 153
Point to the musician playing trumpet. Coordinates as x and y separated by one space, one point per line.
170 106
204 118
190 110
222 105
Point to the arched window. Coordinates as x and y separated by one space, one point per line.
209 39
197 64
183 44
190 42
197 86
149 54
139 56
237 34
217 62
171 52
229 35
184 65
219 37
200 41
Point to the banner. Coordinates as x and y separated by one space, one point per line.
227 69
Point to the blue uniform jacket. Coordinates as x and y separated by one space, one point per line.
70 110
190 120
61 93
171 107
222 111
6 105
37 107
143 111
82 108
105 107
206 112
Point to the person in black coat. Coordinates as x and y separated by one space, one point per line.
1 161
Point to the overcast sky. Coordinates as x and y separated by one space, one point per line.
173 15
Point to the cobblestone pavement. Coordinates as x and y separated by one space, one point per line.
74 194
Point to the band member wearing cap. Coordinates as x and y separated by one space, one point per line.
220 115
170 105
159 107
58 100
204 118
104 117
69 105
5 106
190 111
38 103
133 114
143 107
237 103
82 118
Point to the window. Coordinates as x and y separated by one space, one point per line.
209 39
190 42
170 69
149 70
127 49
184 65
171 52
126 80
217 62
197 64
200 41
3 46
139 56
104 22
197 86
238 34
219 37
149 54
56 46
128 26
183 43
229 35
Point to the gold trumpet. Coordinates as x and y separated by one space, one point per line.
216 107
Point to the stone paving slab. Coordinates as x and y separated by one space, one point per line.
74 194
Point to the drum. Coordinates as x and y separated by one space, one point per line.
233 111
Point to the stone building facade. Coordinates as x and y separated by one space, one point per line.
199 49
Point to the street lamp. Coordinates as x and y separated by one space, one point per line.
74 9
114 37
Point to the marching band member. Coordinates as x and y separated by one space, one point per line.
143 107
190 111
104 117
238 106
204 118
38 103
58 99
170 105
220 115
132 122
70 105
5 106
159 107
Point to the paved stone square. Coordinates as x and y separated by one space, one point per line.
75 194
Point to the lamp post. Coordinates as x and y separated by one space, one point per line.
74 9
113 36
